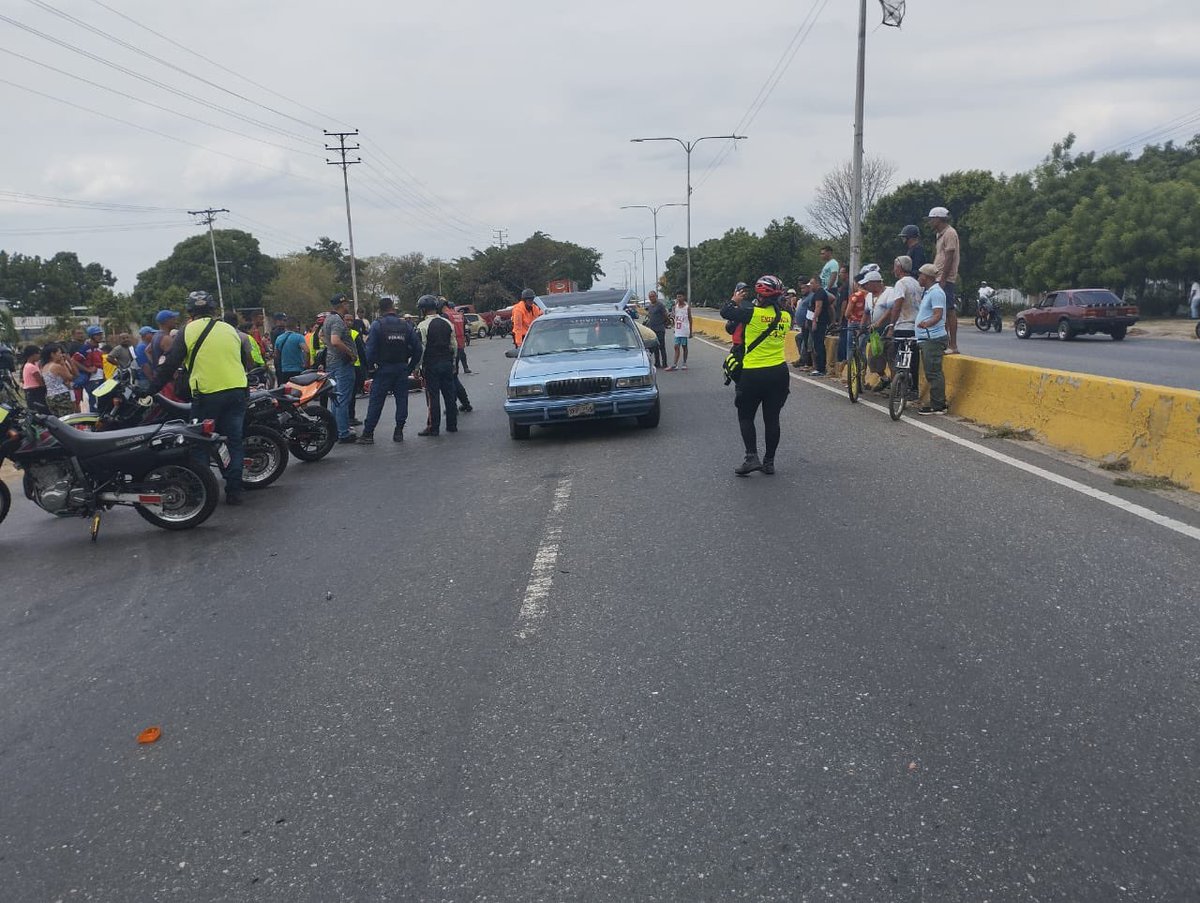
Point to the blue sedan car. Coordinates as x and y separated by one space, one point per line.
581 363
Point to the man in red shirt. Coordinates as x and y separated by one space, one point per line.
90 360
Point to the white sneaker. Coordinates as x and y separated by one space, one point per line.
684 367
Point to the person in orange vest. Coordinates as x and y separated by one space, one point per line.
524 312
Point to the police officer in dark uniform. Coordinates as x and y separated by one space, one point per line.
394 348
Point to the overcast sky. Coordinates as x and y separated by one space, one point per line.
482 115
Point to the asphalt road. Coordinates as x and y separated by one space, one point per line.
597 666
1163 362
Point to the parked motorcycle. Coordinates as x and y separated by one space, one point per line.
295 411
119 405
71 473
988 317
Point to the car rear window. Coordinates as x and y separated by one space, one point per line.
558 336
1095 298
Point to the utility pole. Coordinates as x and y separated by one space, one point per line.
501 235
642 243
856 186
688 147
654 213
345 164
209 214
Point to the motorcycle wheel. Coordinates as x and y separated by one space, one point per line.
5 501
266 457
313 441
190 494
983 324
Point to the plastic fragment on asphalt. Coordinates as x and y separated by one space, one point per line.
149 735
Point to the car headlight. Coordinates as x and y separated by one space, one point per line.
526 391
635 382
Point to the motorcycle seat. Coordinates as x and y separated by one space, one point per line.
307 378
170 404
85 444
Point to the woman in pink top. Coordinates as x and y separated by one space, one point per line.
31 378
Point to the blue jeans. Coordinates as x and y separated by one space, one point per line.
343 375
227 410
391 378
439 386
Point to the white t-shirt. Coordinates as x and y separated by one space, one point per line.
879 308
1195 292
908 294
683 321
986 292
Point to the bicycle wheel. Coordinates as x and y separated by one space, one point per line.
853 378
898 399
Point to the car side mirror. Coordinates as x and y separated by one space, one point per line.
512 352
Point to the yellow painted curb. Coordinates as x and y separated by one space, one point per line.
1156 428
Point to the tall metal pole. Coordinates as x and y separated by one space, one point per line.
209 215
642 243
856 187
688 147
654 214
345 165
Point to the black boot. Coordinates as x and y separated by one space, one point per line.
748 466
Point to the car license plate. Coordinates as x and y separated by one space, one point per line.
581 410
223 454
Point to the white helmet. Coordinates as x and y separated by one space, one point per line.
939 213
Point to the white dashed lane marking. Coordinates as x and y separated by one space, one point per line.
541 575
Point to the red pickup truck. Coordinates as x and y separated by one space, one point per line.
1077 311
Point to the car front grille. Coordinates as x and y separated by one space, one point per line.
594 385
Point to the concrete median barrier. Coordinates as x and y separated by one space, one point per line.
1155 428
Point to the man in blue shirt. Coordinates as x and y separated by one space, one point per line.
931 338
829 270
290 352
141 356
394 349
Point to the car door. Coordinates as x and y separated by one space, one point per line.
1038 318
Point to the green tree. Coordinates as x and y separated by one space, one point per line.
302 286
493 277
190 267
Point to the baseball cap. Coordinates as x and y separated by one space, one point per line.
939 213
791 291
280 315
871 276
95 330
928 270
163 315
146 330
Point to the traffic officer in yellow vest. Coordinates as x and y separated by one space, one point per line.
216 360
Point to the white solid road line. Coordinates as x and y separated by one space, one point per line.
1099 495
541 575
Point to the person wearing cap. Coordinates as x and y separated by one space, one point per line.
141 357
217 359
931 337
438 349
89 360
946 259
340 357
167 320
394 349
906 302
913 249
524 312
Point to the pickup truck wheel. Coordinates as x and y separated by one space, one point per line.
518 430
1022 329
1064 330
1118 333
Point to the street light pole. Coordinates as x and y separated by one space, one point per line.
653 213
688 147
642 242
856 187
632 264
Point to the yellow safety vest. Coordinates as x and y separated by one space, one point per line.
769 352
218 363
255 351
354 334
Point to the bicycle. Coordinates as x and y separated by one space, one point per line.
901 376
856 363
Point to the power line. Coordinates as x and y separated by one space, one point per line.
138 50
43 200
148 80
441 202
193 52
207 215
1158 132
768 87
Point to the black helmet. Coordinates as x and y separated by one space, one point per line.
528 295
427 302
910 232
199 302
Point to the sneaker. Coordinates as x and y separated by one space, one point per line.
398 435
366 439
668 369
816 373
684 367
798 365
926 410
748 466
465 408
427 432
768 466
354 421
351 439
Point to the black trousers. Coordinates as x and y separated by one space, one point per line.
765 387
818 346
660 353
439 387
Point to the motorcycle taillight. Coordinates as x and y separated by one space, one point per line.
209 427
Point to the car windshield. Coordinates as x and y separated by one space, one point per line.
1096 298
583 333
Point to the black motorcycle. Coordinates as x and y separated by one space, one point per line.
296 412
988 317
120 405
71 473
